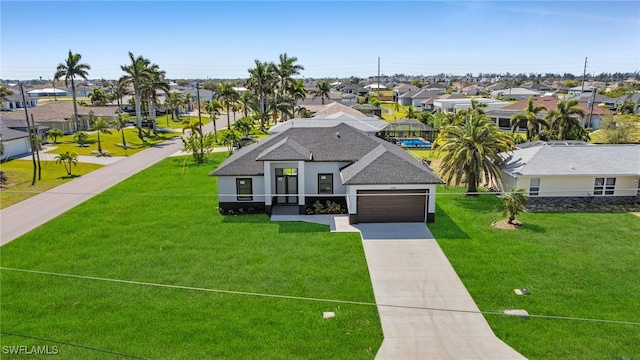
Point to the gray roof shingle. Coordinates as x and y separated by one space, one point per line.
374 161
549 159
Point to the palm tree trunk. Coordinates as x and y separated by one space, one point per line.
472 188
138 112
99 145
75 105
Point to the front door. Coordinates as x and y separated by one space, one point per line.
286 186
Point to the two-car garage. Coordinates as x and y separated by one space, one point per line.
379 206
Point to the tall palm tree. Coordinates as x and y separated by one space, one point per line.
149 90
213 110
297 90
566 120
472 151
261 80
173 102
100 125
120 123
67 159
71 68
118 90
227 96
323 88
136 74
286 69
246 102
530 120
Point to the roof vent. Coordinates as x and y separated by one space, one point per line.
338 133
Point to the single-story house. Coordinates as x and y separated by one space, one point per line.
48 92
15 140
514 94
60 114
566 172
403 89
375 180
14 102
414 98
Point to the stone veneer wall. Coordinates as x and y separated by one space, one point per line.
542 201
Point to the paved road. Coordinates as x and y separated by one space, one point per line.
26 215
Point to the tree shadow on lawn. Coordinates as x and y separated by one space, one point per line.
445 228
485 203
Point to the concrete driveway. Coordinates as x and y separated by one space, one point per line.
425 310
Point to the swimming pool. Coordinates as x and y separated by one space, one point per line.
415 143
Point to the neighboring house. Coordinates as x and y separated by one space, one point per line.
566 172
403 89
332 108
370 125
48 92
416 97
427 105
59 115
452 105
635 97
514 94
375 180
577 90
550 103
14 102
15 140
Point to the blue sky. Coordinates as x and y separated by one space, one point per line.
216 39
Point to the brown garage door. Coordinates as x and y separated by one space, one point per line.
391 206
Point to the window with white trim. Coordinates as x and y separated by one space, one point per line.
604 186
244 189
534 187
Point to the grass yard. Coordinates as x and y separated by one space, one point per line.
165 121
582 265
110 142
169 231
394 115
20 175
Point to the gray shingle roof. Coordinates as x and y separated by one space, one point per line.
374 161
544 159
285 149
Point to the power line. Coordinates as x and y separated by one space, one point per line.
291 297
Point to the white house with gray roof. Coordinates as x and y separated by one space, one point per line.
561 172
369 125
374 180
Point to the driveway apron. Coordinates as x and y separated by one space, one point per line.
425 310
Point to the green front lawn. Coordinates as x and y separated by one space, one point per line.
162 226
581 265
166 121
112 143
19 175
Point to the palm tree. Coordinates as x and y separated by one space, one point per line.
149 91
119 124
54 133
244 126
98 97
227 96
71 68
213 110
411 113
472 151
627 107
303 112
297 90
100 125
285 70
81 138
246 102
136 74
531 120
67 159
514 201
230 138
173 102
323 88
261 80
118 90
566 120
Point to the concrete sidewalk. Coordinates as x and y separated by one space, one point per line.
35 211
425 310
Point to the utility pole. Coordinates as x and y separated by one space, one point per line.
200 119
584 74
31 138
593 100
378 77
35 129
